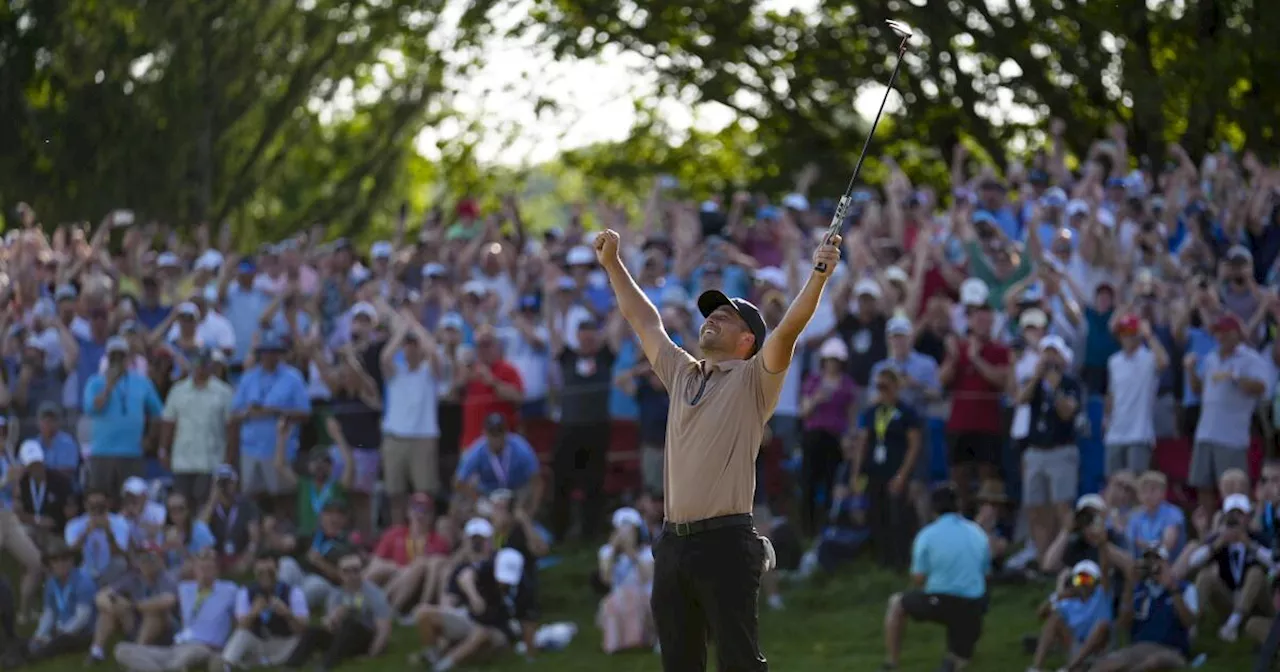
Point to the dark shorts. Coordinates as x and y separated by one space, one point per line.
961 616
975 448
108 474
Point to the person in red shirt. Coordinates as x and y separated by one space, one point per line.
408 560
976 372
493 386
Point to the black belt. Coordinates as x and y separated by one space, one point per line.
706 524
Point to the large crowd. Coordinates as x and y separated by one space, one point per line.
276 458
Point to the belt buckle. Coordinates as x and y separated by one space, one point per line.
683 529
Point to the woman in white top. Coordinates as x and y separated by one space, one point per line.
626 567
1032 324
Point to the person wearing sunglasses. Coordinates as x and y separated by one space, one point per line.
357 621
1079 614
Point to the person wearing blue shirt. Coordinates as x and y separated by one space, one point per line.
185 536
1079 613
500 460
1156 522
268 392
206 607
244 306
950 561
61 452
101 537
1160 614
118 404
66 623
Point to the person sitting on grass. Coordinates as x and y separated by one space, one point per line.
1159 616
144 516
1157 523
314 565
409 558
185 536
513 527
478 615
626 567
357 621
1077 617
205 606
234 520
140 604
1230 571
66 624
270 617
993 518
950 561
846 531
101 537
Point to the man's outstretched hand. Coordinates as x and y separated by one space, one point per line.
826 256
606 245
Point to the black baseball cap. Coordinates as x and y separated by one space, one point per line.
712 299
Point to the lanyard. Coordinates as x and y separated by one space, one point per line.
202 597
228 518
501 467
37 496
322 545
883 418
319 499
1236 559
62 596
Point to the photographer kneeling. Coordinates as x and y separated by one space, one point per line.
1160 614
1231 569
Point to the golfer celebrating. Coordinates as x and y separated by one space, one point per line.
709 559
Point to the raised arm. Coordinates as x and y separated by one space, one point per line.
779 345
632 303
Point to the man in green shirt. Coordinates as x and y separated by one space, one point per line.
319 487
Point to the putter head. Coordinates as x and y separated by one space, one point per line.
903 30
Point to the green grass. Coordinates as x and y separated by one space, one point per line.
834 624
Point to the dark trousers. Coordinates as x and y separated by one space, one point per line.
581 455
708 583
891 521
196 487
349 640
60 645
822 456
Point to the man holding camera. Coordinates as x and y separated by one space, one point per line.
1159 616
1231 569
119 402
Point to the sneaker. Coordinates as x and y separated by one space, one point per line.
1229 632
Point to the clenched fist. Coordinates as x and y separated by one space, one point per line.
607 247
827 256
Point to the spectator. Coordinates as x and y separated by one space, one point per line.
354 424
40 380
976 373
145 517
410 428
863 331
194 436
205 607
409 557
234 520
827 402
120 403
268 392
140 605
993 518
500 460
492 386
1227 379
1229 570
651 397
61 452
44 495
1133 379
271 616
625 565
513 528
66 623
185 536
1078 615
1157 523
950 559
526 344
892 430
1086 537
314 568
1160 613
319 486
1051 463
101 537
244 305
920 390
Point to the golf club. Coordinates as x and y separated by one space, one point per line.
842 208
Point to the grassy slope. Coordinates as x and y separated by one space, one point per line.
833 625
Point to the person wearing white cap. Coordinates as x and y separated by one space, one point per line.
1032 324
119 404
710 550
862 327
919 388
1230 570
1051 460
976 373
1164 611
625 567
1080 613
826 400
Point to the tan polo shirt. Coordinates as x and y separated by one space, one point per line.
710 460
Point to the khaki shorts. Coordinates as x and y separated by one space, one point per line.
14 538
410 464
456 625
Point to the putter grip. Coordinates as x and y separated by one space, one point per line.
836 220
